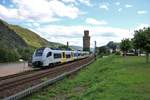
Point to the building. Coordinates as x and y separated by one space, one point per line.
86 41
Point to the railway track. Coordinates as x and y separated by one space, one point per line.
16 75
16 84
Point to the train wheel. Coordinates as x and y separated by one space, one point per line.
51 65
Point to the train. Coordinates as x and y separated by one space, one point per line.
47 57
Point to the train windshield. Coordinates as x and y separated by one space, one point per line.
39 52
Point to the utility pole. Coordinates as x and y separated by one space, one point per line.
67 44
95 49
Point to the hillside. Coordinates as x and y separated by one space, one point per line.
76 47
31 38
9 38
18 42
16 36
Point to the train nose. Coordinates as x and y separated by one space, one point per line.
37 64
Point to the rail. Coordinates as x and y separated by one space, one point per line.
43 84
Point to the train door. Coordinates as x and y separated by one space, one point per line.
72 56
48 59
63 57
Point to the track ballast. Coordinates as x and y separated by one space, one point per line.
14 85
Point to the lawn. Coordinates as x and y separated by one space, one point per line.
110 78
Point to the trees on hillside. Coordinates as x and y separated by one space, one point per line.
142 40
11 55
125 46
7 55
25 53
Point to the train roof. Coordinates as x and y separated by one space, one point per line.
60 50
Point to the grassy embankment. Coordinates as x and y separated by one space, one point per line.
112 78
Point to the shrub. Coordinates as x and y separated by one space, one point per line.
117 53
25 53
7 55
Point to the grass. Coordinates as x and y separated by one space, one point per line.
111 78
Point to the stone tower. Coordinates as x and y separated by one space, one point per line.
86 41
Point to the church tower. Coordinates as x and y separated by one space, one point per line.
86 41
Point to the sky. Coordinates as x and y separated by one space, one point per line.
65 20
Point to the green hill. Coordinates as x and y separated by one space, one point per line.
31 38
9 38
18 42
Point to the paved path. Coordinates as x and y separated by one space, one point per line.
13 68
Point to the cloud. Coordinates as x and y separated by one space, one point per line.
11 6
74 34
141 26
48 8
64 11
36 24
86 2
120 9
141 12
43 10
108 35
8 13
128 6
38 16
104 7
93 21
69 1
117 3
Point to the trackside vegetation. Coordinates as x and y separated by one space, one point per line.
109 78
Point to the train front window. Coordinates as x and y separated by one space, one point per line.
49 54
39 52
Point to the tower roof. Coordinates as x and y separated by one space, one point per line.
86 32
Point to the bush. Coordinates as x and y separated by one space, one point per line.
117 53
25 53
103 51
7 55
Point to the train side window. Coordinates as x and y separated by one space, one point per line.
57 55
49 54
68 55
79 54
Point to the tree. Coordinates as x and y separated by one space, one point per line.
25 53
103 50
136 50
112 45
3 55
125 46
142 40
